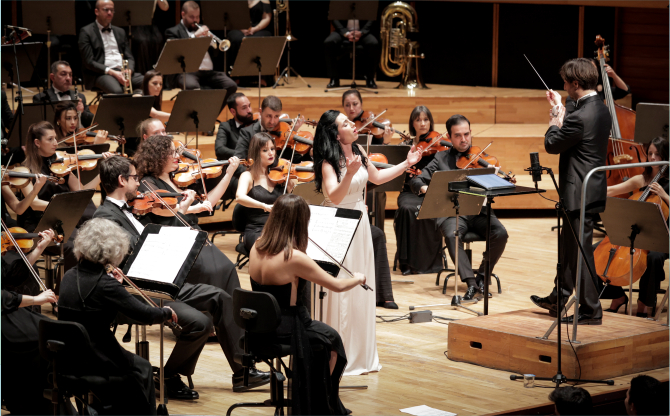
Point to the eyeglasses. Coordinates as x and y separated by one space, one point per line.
136 177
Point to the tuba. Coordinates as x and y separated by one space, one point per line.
399 55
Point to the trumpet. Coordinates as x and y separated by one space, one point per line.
127 88
222 45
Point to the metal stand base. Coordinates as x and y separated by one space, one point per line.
286 75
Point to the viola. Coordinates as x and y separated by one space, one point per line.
378 126
380 161
476 158
20 176
301 144
434 142
25 240
189 173
613 262
66 162
303 172
146 202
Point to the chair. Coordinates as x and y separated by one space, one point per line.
259 315
468 238
67 346
98 96
239 224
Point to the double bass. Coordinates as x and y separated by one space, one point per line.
621 149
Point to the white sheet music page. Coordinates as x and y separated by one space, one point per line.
333 234
163 254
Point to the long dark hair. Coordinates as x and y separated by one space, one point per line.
257 143
151 156
35 132
416 113
350 92
661 145
286 228
327 148
62 107
158 101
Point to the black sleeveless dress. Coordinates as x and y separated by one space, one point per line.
256 217
315 390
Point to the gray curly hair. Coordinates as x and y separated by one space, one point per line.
101 241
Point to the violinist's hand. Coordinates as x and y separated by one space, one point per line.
414 156
291 184
553 97
187 200
558 120
299 123
202 32
388 134
233 164
353 164
174 315
423 189
107 155
658 190
205 206
267 207
48 296
80 106
101 137
40 181
45 239
360 277
116 275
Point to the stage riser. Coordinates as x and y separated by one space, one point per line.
622 345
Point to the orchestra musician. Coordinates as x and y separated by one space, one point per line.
619 87
120 180
341 172
66 120
657 150
16 205
206 75
458 128
580 135
341 38
260 19
153 85
151 127
61 81
418 241
229 132
103 48
352 104
279 265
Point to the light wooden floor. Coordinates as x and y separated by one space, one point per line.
415 369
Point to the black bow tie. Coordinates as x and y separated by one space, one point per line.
106 29
64 94
126 207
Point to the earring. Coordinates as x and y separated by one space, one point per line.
58 123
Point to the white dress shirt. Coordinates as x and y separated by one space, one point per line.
206 64
113 58
353 25
138 225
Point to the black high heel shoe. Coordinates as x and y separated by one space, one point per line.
618 307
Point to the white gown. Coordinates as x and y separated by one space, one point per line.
352 313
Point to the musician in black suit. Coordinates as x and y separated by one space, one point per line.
579 134
61 81
229 132
206 75
103 48
119 179
458 128
342 37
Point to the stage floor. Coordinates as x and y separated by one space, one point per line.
415 369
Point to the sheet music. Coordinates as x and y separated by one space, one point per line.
163 254
333 234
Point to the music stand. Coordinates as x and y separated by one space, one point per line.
352 10
32 113
225 15
651 121
308 192
441 202
64 211
638 225
119 114
133 13
258 56
195 111
88 175
180 56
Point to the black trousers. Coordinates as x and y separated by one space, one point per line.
384 290
215 80
109 85
476 224
200 308
335 44
589 304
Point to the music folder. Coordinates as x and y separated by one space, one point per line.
332 229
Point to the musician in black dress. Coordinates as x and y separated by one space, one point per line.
66 122
119 179
260 20
418 241
278 265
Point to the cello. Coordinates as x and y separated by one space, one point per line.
621 149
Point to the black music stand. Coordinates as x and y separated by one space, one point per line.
180 56
64 211
195 111
88 175
258 56
119 114
651 121
133 13
225 15
308 192
352 10
32 113
638 225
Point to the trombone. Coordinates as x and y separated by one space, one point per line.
222 45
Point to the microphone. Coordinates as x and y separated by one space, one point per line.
535 168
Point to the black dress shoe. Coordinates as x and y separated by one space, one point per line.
334 83
370 83
480 284
473 292
582 319
177 389
256 379
387 305
545 303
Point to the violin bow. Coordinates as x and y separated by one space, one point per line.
4 172
288 137
23 256
477 155
374 119
290 165
74 135
435 140
364 286
110 269
166 205
76 160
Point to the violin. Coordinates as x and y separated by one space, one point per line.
378 126
25 240
434 142
145 202
476 158
67 162
188 173
613 262
87 136
186 155
303 172
20 176
300 143
380 161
